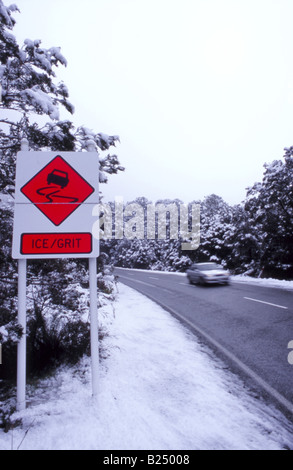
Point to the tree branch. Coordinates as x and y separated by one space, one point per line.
8 146
11 123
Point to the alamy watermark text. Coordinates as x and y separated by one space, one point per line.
159 221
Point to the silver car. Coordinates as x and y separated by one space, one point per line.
207 273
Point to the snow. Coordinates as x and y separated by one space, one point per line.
274 283
29 43
56 52
13 7
40 100
8 36
3 334
159 389
4 12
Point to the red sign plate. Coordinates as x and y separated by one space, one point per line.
56 243
57 190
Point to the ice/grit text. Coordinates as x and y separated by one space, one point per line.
56 242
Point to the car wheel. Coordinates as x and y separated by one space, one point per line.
201 281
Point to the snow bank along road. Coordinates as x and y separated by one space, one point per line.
249 325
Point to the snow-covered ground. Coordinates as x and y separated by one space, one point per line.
159 389
275 283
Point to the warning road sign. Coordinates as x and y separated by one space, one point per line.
54 200
57 190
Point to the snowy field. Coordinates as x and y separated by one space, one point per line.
159 390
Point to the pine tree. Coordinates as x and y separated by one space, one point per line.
30 105
270 207
29 90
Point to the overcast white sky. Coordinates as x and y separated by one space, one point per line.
199 91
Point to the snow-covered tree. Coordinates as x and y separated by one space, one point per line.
30 107
269 205
29 89
216 219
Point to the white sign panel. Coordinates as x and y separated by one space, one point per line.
54 199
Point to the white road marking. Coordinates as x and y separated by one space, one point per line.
156 278
146 284
136 280
266 303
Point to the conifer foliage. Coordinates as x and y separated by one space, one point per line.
30 107
254 237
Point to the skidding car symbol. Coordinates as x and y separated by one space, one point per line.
58 177
57 181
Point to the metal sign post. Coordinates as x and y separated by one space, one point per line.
21 347
54 199
94 325
94 314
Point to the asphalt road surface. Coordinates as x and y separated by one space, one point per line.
247 325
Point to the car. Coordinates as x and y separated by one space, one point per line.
207 273
58 177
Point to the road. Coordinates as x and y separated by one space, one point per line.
247 325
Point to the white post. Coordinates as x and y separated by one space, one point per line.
21 347
94 312
94 325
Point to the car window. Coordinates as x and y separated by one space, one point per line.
209 267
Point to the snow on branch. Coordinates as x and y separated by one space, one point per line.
41 102
44 58
5 14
